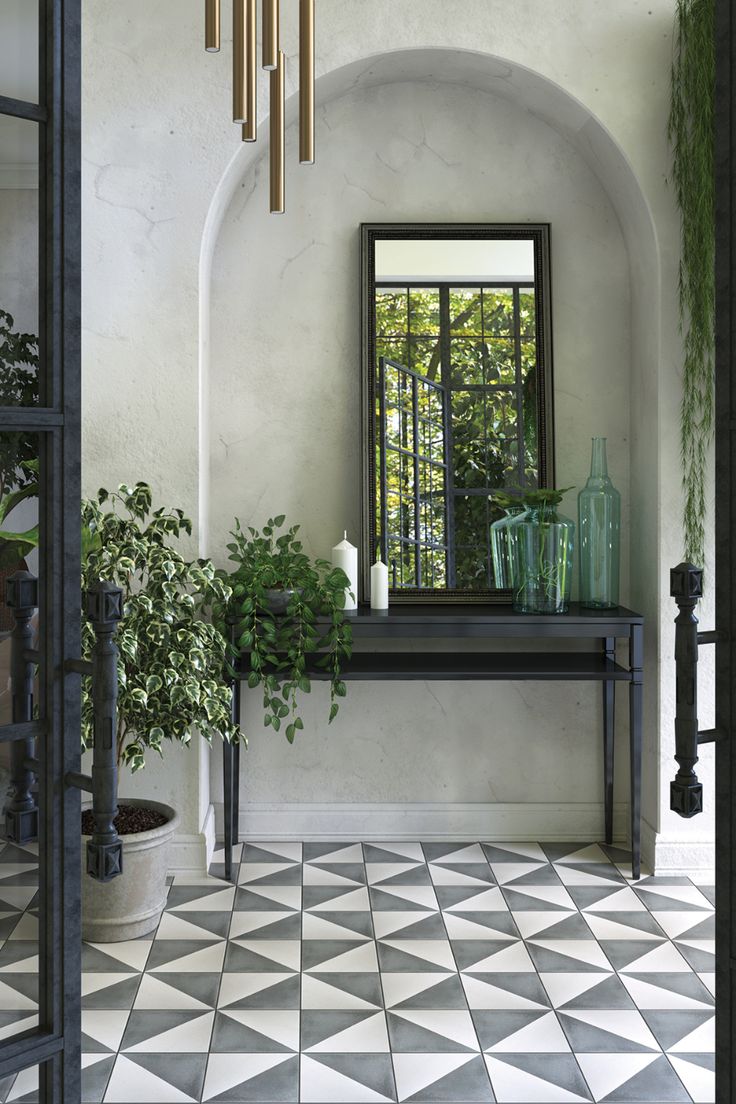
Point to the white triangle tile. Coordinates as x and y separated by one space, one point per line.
235 987
484 995
543 1036
322 1085
254 872
359 960
26 1082
356 900
626 1024
318 876
437 951
489 900
131 952
415 1072
620 900
405 848
707 946
592 854
317 927
367 1037
513 959
281 1026
664 959
553 895
569 876
288 896
212 902
648 995
291 850
93 982
26 1024
244 923
173 926
584 950
709 981
155 994
676 924
607 1072
513 1085
379 872
129 1081
508 872
226 1071
89 1060
530 851
18 897
457 1026
399 987
107 1028
458 927
22 966
26 928
192 1037
206 881
287 952
353 853
318 994
687 894
389 923
529 923
699 1082
420 896
566 987
603 927
700 1041
9 870
208 960
473 853
443 876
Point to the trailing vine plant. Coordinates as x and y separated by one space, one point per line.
691 133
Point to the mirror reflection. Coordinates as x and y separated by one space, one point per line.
458 363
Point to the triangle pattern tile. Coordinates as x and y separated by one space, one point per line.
179 956
461 874
671 1028
698 1078
639 926
106 991
606 1030
265 925
414 991
167 1079
586 990
690 924
25 928
251 1077
700 954
259 955
334 874
12 1023
478 925
514 852
181 992
332 852
552 1078
505 991
334 1032
159 1032
409 925
551 925
600 899
454 852
539 898
479 957
635 957
420 1077
103 1029
568 955
341 925
266 899
342 992
333 899
403 851
433 1031
469 899
679 898
266 874
269 991
632 1077
239 1031
289 850
575 853
589 875
415 955
132 953
346 1079
495 1027
668 991
542 1035
378 872
323 956
202 898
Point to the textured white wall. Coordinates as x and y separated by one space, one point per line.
158 141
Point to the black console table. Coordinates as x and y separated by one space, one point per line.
456 623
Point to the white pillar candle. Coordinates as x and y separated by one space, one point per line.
345 555
379 584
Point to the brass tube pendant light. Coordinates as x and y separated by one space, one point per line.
273 59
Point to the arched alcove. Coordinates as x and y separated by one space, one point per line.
615 239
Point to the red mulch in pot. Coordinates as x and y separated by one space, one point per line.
130 819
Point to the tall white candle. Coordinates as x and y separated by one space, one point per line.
379 584
345 555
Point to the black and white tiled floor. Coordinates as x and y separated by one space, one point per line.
436 972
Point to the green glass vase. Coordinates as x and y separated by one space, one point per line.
542 543
599 527
501 537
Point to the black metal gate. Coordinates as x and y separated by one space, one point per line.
44 422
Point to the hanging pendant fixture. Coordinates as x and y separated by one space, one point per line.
273 59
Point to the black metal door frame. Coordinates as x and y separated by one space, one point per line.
55 1045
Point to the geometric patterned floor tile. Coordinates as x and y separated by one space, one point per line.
164 1078
441 1077
238 1031
632 1077
578 991
697 1073
242 1078
526 1078
680 1030
432 1032
622 1030
515 1032
346 1078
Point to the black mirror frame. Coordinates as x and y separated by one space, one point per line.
370 233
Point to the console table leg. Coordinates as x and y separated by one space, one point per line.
636 692
236 794
228 754
609 701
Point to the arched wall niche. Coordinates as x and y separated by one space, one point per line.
549 105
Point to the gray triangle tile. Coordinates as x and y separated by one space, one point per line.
608 1031
233 1037
494 1026
214 924
144 1025
555 852
542 875
551 959
479 871
559 1070
314 851
371 1071
95 1078
636 922
288 927
10 1022
569 926
253 853
446 994
282 993
608 993
25 986
316 897
184 1071
398 902
181 895
703 929
363 987
468 952
121 994
290 875
596 870
355 872
8 924
709 891
16 951
429 927
319 1025
373 853
670 1026
584 896
514 852
527 986
398 960
469 1084
548 899
318 951
434 852
657 1082
170 950
201 987
248 960
248 901
436 1032
416 876
685 984
277 1085
12 854
698 958
358 923
616 854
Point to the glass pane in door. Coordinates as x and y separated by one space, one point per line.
19 50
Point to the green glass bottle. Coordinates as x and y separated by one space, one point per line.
599 534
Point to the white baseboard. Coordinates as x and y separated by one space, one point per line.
192 854
438 821
677 856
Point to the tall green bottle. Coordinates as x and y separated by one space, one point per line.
599 534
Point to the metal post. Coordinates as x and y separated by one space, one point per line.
21 815
686 587
104 608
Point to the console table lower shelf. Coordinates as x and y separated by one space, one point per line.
457 623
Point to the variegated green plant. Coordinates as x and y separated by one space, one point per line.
18 450
172 666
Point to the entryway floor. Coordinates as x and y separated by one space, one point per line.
435 972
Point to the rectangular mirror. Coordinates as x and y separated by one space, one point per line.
457 397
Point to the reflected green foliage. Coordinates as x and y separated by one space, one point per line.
18 451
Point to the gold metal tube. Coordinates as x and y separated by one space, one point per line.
306 82
276 149
270 34
251 73
212 26
240 114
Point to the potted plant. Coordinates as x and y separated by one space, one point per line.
171 668
278 595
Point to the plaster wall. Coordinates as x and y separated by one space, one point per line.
158 142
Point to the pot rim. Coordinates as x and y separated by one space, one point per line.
171 825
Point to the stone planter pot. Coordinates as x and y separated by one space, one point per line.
131 904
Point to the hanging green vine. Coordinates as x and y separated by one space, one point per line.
691 132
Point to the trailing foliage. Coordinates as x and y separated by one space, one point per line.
270 567
691 132
18 451
173 662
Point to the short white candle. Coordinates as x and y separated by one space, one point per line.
345 555
379 584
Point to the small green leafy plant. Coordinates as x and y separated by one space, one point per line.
173 660
272 566
18 451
